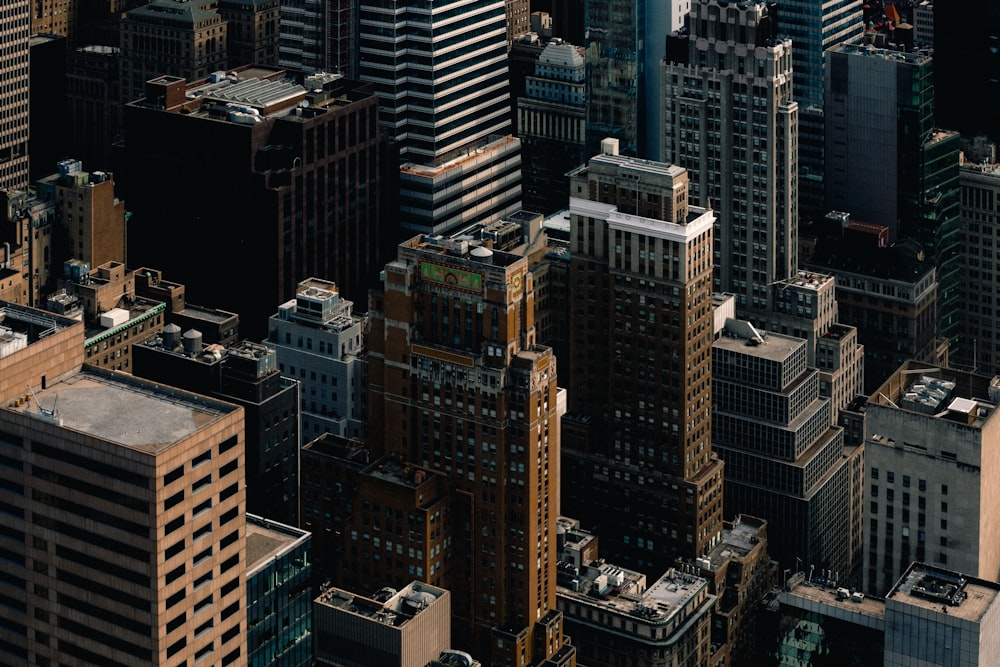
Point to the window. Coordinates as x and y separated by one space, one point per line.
890 477
906 481
874 473
922 484
201 459
944 506
944 489
201 483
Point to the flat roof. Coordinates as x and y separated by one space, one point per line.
268 539
123 409
776 347
944 592
800 589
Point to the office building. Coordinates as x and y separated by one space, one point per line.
625 42
614 617
408 627
279 598
302 158
47 103
246 374
15 33
28 270
881 137
821 621
966 67
450 116
928 463
91 216
923 22
640 316
888 293
93 102
123 502
179 38
732 122
459 385
318 36
814 28
785 459
552 125
317 340
979 243
251 31
113 315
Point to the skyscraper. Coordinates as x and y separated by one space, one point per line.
640 346
814 27
731 121
889 163
626 40
305 163
123 507
446 103
458 385
15 32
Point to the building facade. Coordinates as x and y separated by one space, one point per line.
980 252
785 459
93 102
459 385
814 28
279 598
170 37
928 462
731 120
625 42
451 114
552 125
123 504
251 31
15 31
641 323
318 341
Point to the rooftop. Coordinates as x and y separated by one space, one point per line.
31 323
177 12
125 410
268 539
944 591
388 606
391 469
871 51
800 589
739 538
770 346
940 393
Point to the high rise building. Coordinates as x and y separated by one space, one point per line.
246 374
318 36
967 67
552 125
47 103
768 415
305 163
458 385
732 122
615 616
279 598
626 40
929 462
447 105
881 138
15 34
123 502
178 38
251 31
815 27
93 102
318 341
980 270
640 345
883 289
